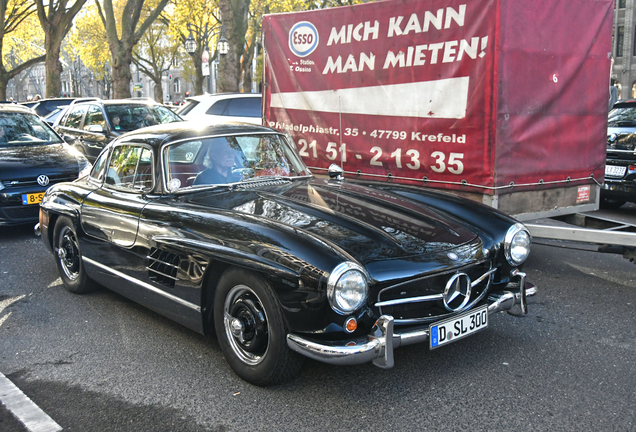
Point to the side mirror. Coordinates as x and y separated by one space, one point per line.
95 128
336 172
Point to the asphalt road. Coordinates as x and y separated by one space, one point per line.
98 362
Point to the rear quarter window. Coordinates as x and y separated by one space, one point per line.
218 108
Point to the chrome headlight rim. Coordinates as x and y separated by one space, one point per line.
508 240
332 282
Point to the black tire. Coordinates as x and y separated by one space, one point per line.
69 258
611 204
251 329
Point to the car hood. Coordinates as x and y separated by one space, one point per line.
366 223
30 161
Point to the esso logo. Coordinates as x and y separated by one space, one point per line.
303 38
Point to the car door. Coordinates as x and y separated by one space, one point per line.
110 214
70 128
95 131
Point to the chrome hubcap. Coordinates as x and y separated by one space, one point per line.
68 253
245 325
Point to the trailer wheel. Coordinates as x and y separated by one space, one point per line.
611 204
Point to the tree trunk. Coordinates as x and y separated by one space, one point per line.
229 64
158 88
198 73
53 68
4 81
55 26
122 76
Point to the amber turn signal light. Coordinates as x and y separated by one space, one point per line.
351 325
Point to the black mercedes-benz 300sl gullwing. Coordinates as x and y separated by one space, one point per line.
224 229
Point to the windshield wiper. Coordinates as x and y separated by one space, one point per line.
265 178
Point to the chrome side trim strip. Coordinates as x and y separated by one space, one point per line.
162 262
162 274
144 285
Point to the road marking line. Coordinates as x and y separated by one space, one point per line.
23 408
8 302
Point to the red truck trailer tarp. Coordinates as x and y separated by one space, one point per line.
461 95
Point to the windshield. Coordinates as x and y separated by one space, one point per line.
126 118
230 159
18 129
622 116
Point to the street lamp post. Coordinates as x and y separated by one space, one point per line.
204 35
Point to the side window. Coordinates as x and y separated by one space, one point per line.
218 107
244 107
95 116
130 168
99 169
74 119
143 177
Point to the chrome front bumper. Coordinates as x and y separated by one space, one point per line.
378 345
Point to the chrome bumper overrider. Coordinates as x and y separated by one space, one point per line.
379 344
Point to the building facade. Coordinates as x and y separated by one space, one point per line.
624 49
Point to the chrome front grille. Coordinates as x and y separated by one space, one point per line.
421 300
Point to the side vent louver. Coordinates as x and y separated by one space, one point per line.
162 267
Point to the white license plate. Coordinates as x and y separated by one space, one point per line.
615 171
452 329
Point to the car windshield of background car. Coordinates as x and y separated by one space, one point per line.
132 117
18 129
255 157
622 116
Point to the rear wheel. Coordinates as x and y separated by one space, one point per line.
251 329
69 258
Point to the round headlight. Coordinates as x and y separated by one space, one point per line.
347 287
517 244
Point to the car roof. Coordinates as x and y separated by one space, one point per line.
223 96
11 107
625 104
107 102
176 131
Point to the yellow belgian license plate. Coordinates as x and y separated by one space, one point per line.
32 198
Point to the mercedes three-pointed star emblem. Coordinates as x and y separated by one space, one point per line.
457 292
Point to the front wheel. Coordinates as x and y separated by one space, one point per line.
68 257
251 329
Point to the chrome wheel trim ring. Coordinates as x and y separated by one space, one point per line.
228 320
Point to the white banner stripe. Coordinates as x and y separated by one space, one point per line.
23 408
446 98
